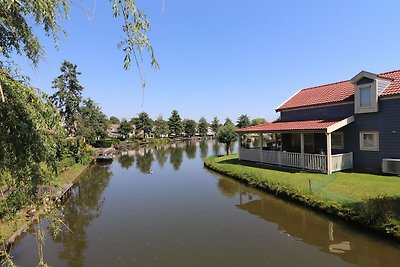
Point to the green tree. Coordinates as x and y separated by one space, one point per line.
125 128
257 121
160 127
227 135
228 121
68 96
189 127
92 122
243 121
215 125
144 123
113 120
175 124
203 127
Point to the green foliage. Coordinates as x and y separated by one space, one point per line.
203 127
144 123
125 128
243 121
16 33
68 96
113 120
30 133
92 122
189 127
103 143
228 121
227 135
175 124
215 125
160 127
257 121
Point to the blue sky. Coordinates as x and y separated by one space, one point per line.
224 58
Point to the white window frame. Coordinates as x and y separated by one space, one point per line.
341 145
374 98
376 141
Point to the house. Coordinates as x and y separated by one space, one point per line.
336 126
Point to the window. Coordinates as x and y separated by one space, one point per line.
365 97
369 141
337 140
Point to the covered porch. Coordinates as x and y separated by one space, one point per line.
300 144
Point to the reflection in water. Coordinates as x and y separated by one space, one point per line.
161 154
144 160
216 149
311 228
190 149
176 156
126 160
85 205
203 148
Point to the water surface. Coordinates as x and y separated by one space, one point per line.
160 207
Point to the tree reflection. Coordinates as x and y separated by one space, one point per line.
216 148
161 154
143 162
126 161
175 158
203 149
83 207
228 187
190 149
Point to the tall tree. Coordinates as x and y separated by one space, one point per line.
144 124
215 125
203 127
125 128
189 127
227 135
228 121
92 122
68 96
175 124
113 120
257 121
243 121
160 127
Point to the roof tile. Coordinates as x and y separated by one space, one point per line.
290 126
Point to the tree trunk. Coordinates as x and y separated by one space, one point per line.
2 94
228 148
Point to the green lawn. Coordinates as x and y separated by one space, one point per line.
371 200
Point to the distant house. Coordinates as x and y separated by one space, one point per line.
337 126
113 131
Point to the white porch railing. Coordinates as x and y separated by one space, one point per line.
315 162
342 161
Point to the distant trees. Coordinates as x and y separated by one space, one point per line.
189 127
215 125
160 127
175 123
243 121
125 128
202 127
227 135
144 123
257 121
113 120
68 96
228 121
92 122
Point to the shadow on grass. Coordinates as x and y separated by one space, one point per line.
260 165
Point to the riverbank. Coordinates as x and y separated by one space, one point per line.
370 201
11 230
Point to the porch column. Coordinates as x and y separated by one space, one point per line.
328 154
240 145
261 145
302 150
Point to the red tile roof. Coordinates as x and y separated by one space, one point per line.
336 92
290 126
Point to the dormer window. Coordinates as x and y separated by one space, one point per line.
365 96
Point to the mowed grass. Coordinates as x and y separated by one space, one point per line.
367 199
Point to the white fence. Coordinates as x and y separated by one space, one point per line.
315 162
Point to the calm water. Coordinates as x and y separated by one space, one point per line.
160 207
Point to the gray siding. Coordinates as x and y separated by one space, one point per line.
387 122
382 85
330 112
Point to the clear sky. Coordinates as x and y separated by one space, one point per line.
224 57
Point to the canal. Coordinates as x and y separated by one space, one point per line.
160 207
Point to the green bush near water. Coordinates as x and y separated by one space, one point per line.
371 201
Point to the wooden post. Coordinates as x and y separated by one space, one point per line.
302 150
261 146
328 154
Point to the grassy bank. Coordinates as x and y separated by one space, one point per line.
371 201
20 222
